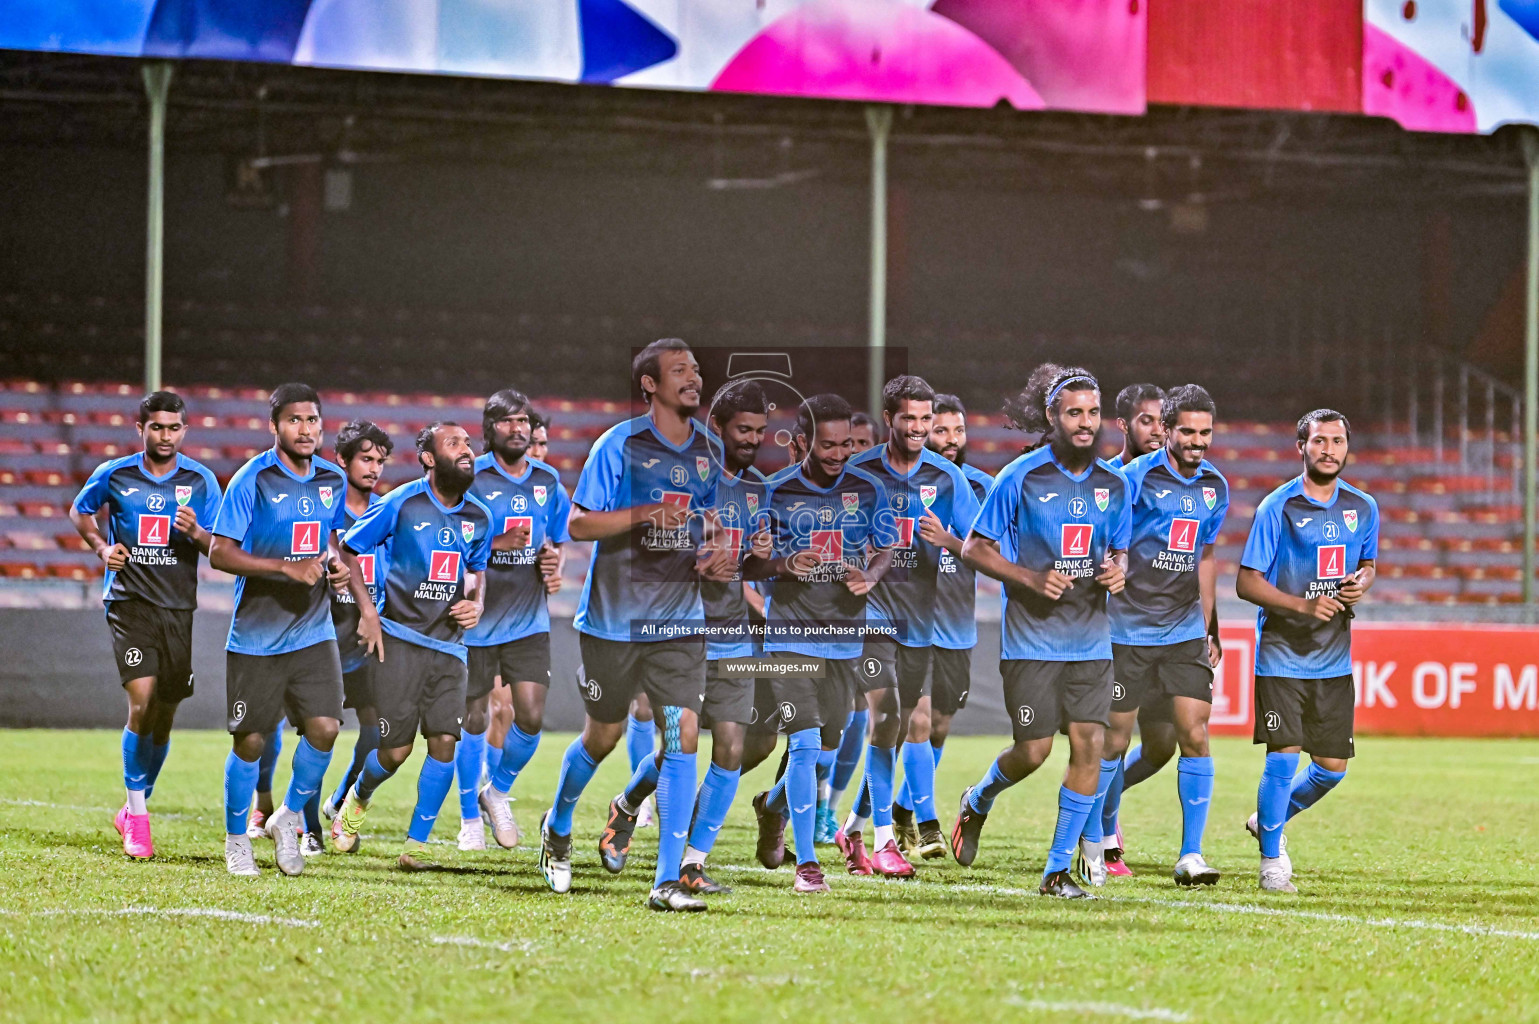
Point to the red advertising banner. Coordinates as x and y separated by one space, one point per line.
1412 679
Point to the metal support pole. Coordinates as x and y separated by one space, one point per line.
879 121
157 83
1531 365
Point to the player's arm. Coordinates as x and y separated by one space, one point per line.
550 560
338 572
1356 586
187 525
227 555
933 531
860 580
982 554
1251 585
1207 590
115 556
715 561
1114 571
371 635
467 610
589 524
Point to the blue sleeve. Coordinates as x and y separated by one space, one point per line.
1135 480
556 518
599 483
884 522
964 505
1371 538
234 519
1265 531
371 529
1216 523
996 519
339 520
94 494
708 500
481 548
211 502
1121 533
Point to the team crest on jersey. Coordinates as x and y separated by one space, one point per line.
1102 498
753 502
678 476
851 500
467 530
326 496
539 494
183 494
1349 518
927 495
702 466
1210 496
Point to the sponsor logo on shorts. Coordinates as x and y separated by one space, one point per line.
154 531
1331 561
1183 534
444 567
1025 715
133 657
1076 539
306 539
1273 721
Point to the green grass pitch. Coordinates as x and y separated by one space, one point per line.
1418 901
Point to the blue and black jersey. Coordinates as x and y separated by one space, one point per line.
273 513
905 598
741 511
162 564
344 610
422 550
642 584
956 585
1307 549
1174 518
515 590
1043 517
818 616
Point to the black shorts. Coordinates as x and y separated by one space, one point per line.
1315 714
416 688
885 663
260 689
525 660
823 704
1043 697
727 698
1150 676
358 685
764 719
670 672
951 674
149 641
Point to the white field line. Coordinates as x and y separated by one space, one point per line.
1102 1009
83 810
1306 915
213 912
522 946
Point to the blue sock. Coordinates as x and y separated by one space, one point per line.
1093 831
433 785
469 758
1272 800
368 741
1311 786
1073 809
372 776
640 740
776 799
881 766
644 782
936 753
239 783
919 778
272 747
994 782
313 814
309 771
1194 783
711 806
517 749
577 768
903 798
850 745
675 804
802 791
825 768
1113 802
862 808
158 752
1128 764
135 773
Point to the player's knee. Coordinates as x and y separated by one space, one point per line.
441 748
322 732
727 753
248 746
919 726
530 722
599 738
940 729
477 719
1194 741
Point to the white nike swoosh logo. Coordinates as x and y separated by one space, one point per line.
131 490
421 526
1048 496
649 464
1161 494
279 498
1305 522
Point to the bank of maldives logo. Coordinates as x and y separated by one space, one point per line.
306 539
154 531
1183 535
444 567
1331 561
1076 540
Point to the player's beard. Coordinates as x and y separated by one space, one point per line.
958 454
1070 454
508 448
1326 475
450 478
737 462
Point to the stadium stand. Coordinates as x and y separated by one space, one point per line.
1448 537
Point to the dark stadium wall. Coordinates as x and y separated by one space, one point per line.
54 684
